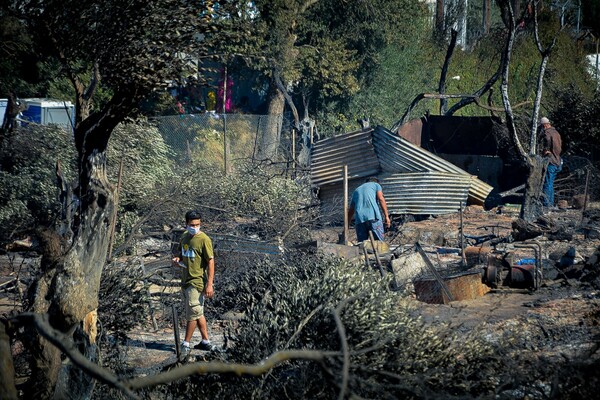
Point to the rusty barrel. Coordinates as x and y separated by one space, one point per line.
463 286
522 276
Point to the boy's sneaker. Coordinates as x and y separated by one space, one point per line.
204 346
185 352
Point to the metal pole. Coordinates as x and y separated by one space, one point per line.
346 222
113 222
372 239
225 147
151 308
597 66
434 272
293 148
256 137
176 330
462 236
585 193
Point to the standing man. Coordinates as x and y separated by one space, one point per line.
364 207
195 256
13 108
551 148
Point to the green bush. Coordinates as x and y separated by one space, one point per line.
28 188
28 185
147 160
290 304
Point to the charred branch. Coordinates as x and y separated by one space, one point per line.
7 370
490 101
63 342
492 109
420 97
287 97
213 367
509 21
442 85
545 54
468 100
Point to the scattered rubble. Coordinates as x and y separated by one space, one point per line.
559 318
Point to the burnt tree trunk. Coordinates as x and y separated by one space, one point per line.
269 142
440 15
487 16
545 56
8 390
69 282
532 201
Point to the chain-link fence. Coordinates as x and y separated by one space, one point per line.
227 139
578 184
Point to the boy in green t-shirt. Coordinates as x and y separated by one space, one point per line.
196 258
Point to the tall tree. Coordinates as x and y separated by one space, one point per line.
130 48
531 208
316 49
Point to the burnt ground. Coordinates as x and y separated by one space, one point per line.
559 320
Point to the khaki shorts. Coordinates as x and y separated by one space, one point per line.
194 303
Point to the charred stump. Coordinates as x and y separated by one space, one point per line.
67 290
532 202
8 389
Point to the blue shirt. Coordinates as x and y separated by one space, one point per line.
364 201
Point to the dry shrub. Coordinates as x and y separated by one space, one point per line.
123 296
123 305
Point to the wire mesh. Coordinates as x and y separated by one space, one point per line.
226 138
578 184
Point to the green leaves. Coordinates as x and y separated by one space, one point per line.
138 44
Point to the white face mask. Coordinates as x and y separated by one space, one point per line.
192 230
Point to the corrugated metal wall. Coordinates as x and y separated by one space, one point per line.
428 192
354 149
332 199
414 181
397 154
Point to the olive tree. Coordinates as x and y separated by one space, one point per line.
129 49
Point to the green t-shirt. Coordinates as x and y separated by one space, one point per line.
196 251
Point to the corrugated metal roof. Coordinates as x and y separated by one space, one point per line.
353 149
429 192
414 180
397 154
479 190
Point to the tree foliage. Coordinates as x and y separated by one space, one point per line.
18 69
577 118
320 48
30 195
28 188
403 72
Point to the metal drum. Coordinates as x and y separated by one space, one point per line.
522 276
